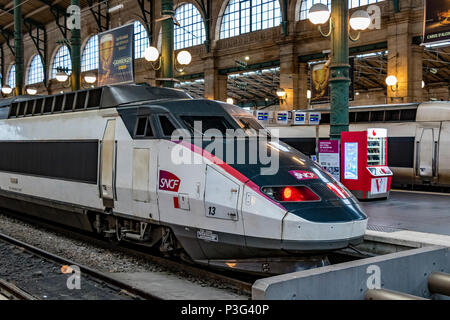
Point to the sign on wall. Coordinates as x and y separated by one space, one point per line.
329 157
116 56
436 26
319 82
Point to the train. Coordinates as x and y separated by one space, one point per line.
105 160
418 134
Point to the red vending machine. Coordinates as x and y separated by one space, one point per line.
364 168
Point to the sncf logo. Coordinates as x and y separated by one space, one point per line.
303 175
168 181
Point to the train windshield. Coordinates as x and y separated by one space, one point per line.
201 124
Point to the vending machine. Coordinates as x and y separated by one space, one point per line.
364 168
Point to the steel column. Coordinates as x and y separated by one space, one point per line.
75 52
18 47
339 69
167 43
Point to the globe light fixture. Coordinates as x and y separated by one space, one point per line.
281 93
318 13
360 20
391 80
31 91
90 78
184 58
423 84
151 54
61 76
308 94
230 100
6 89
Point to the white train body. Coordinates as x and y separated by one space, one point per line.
101 176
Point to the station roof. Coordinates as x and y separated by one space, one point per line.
34 12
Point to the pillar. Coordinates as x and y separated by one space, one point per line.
339 69
289 77
405 62
303 85
215 83
18 47
75 46
167 44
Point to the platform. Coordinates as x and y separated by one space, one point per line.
423 212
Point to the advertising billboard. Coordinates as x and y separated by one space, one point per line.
319 82
116 56
436 26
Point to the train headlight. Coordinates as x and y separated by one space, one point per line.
291 193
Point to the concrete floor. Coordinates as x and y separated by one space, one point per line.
414 211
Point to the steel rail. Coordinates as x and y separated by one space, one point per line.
137 251
84 269
12 292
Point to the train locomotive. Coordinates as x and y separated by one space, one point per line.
102 160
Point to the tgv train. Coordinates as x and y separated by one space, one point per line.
418 139
102 160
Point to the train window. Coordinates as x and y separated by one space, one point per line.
392 115
352 117
140 128
376 115
207 122
166 125
81 100
48 102
408 115
38 106
68 105
58 103
362 116
149 129
325 118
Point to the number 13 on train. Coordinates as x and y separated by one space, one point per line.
364 167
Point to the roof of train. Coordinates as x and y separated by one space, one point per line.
114 96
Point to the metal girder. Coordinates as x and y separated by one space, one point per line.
8 35
102 19
39 37
284 17
57 14
147 16
205 7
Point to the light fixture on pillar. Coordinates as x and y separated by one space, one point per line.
6 89
359 21
392 81
281 93
90 78
61 76
31 91
151 54
319 14
183 58
423 84
308 94
230 100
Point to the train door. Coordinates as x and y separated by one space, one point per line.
107 165
144 180
444 154
222 196
427 150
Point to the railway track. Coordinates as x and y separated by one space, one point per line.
9 291
114 288
241 283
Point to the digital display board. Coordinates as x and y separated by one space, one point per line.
351 160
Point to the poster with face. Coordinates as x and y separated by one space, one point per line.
116 56
436 27
319 82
